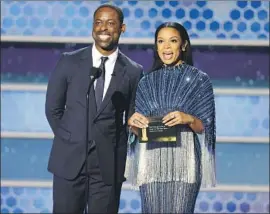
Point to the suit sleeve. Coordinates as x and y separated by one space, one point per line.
56 93
133 92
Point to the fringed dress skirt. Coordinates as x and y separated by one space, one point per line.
169 175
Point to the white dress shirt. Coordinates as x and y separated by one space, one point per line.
109 66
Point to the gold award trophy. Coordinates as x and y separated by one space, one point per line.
144 135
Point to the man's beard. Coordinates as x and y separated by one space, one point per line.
108 46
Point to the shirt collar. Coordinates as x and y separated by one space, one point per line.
97 55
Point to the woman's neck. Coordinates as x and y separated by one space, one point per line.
174 64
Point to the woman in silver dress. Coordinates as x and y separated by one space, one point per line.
169 175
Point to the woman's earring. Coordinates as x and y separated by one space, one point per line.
183 49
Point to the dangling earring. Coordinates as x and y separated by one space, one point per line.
184 46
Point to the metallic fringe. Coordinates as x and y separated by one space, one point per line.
208 167
189 160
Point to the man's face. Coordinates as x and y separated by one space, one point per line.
107 29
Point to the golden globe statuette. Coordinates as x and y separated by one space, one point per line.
144 134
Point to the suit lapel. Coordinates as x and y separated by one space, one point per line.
85 65
117 77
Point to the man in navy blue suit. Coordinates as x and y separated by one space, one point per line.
111 103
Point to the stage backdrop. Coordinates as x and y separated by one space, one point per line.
245 20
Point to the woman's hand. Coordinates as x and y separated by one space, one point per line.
177 117
137 121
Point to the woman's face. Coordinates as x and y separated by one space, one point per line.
169 45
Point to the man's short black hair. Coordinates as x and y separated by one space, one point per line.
117 9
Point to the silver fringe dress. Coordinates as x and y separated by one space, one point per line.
169 175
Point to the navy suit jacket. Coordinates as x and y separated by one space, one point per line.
66 114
